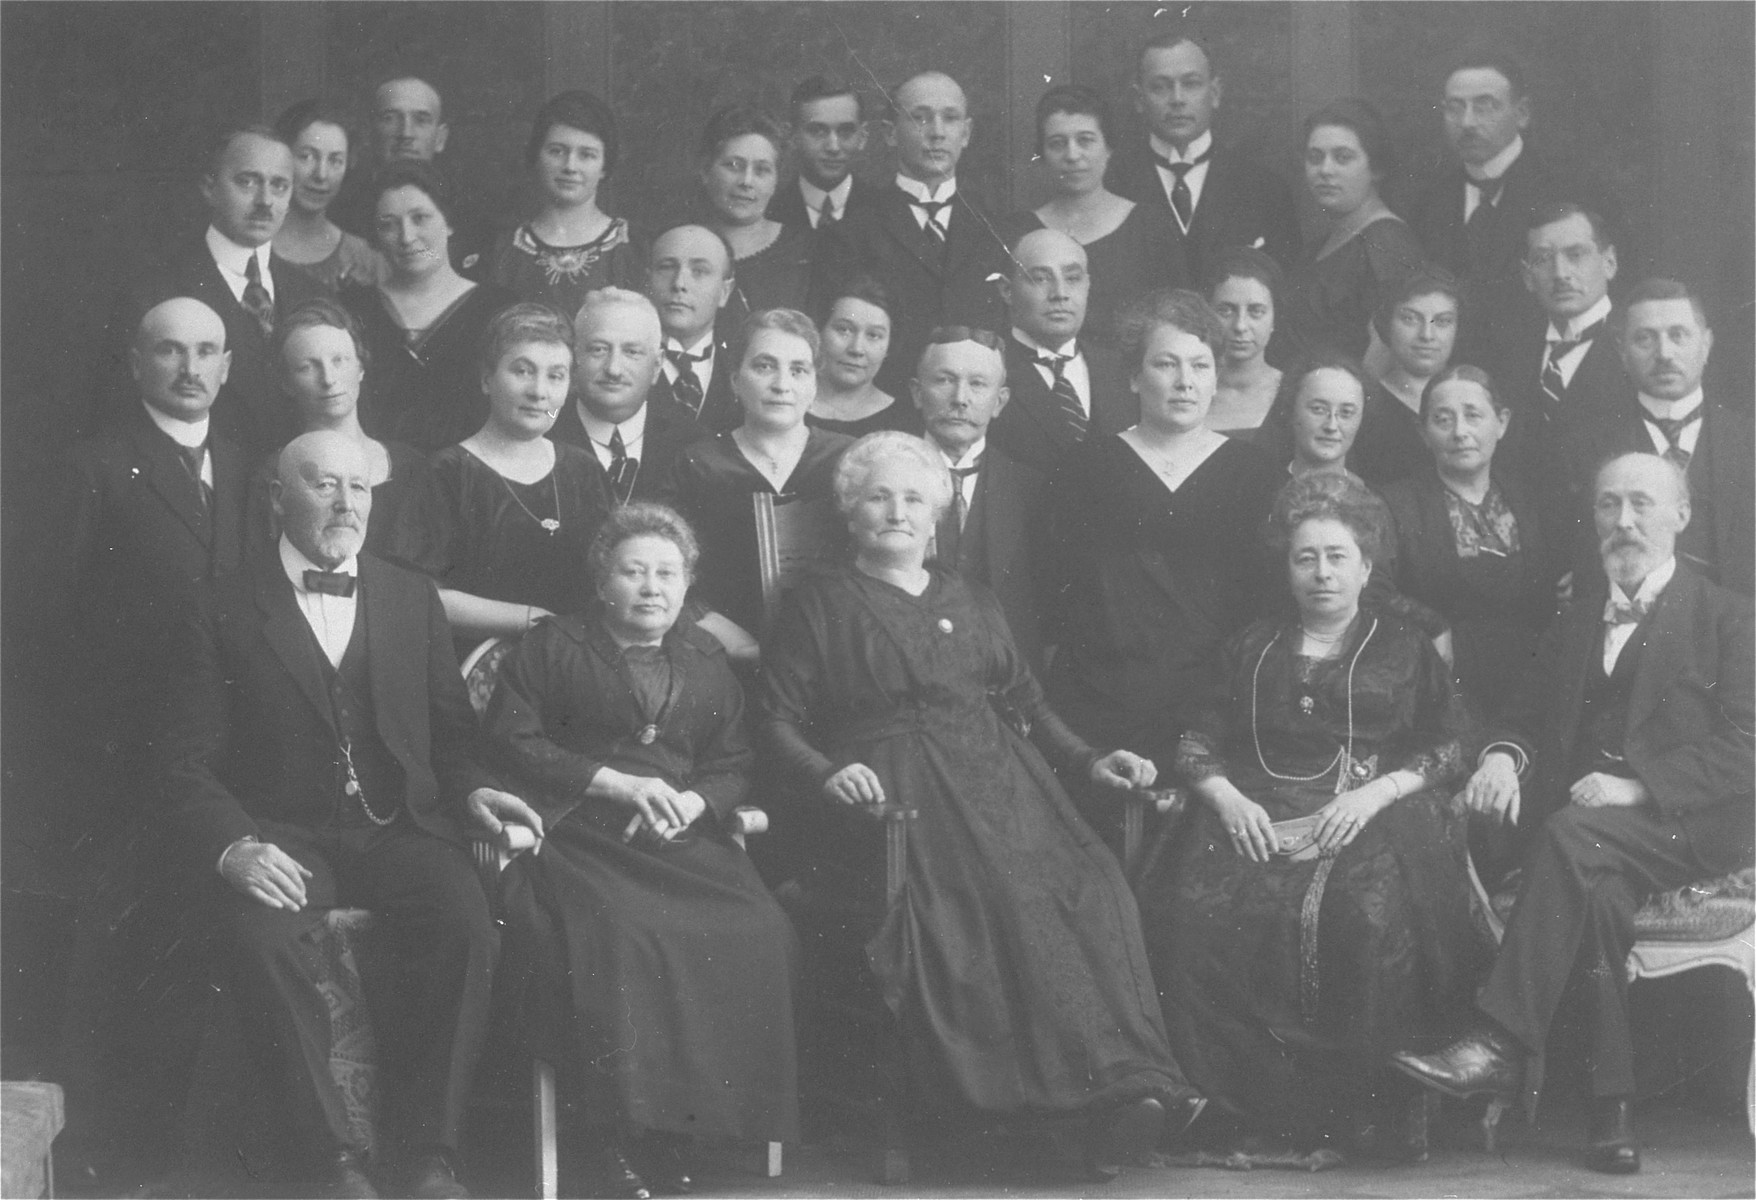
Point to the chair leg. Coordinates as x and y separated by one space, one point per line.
1491 1122
542 1089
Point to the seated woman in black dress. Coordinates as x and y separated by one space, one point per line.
508 515
1469 543
655 970
1345 719
856 340
1130 248
714 480
322 362
1011 959
423 321
740 155
1418 325
1244 286
1336 288
571 246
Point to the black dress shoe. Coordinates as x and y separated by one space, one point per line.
429 1176
1486 1063
343 1177
1123 1135
1610 1146
617 1178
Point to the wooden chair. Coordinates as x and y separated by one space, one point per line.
480 672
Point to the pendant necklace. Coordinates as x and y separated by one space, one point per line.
549 524
1344 755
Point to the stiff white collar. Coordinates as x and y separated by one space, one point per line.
188 434
1499 164
1197 148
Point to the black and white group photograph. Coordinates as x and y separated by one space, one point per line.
877 598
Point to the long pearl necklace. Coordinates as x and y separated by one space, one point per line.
1343 756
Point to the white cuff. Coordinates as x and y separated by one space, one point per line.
1520 760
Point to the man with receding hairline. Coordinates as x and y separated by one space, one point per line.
689 279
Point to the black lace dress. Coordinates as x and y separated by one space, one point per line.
1284 994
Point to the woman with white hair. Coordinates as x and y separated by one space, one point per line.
1012 959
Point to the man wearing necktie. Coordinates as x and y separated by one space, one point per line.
1218 198
616 361
996 514
689 280
829 135
234 271
1629 759
1062 388
924 239
318 751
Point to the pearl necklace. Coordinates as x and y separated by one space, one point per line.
1343 756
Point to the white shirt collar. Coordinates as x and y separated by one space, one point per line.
1653 584
1499 164
1067 349
702 346
1673 408
970 456
234 259
814 195
1197 148
295 564
920 191
1597 312
599 430
188 434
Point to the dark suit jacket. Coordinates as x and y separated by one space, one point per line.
1242 204
1030 428
720 410
788 205
668 429
249 734
250 409
1689 717
926 288
998 547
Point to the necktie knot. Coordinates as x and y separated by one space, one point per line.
683 360
1489 189
622 468
1562 347
826 214
1184 166
1618 611
329 583
257 302
688 390
1056 363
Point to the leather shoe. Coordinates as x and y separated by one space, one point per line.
429 1177
1486 1063
343 1177
617 1178
1123 1135
1610 1146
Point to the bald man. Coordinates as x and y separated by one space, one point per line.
246 185
929 242
318 750
1063 388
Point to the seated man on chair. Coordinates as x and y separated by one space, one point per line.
1641 753
318 752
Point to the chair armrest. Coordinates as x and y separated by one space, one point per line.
492 853
895 818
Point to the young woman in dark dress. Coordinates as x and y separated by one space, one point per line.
650 963
714 480
1244 287
856 340
1418 323
740 165
571 246
423 322
1343 714
509 515
1011 959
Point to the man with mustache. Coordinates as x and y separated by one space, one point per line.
1632 763
829 134
1062 388
319 751
233 270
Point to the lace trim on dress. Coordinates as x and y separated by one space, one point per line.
567 264
1485 528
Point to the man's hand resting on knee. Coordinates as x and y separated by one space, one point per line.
266 873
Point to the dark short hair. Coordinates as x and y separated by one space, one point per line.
1548 214
786 320
1280 413
861 287
1176 35
1367 125
419 175
1075 98
1490 57
576 109
1330 496
822 87
319 311
1649 290
1428 279
1176 307
299 116
519 324
736 120
221 144
1464 373
1243 262
642 518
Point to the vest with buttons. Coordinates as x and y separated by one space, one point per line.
1603 718
350 703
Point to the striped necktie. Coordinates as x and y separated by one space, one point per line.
1672 428
1066 396
1553 383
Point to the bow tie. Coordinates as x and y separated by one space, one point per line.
1618 611
1562 346
684 360
931 207
1489 189
1180 169
330 583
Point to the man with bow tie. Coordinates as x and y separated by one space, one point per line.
930 244
1062 388
1632 764
689 280
319 751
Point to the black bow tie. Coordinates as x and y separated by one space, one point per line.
330 583
1180 169
1489 189
683 360
931 207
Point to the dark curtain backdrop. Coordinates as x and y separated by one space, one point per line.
106 108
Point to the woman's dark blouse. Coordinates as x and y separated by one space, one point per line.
427 393
1389 445
777 276
1142 253
713 483
1331 299
407 485
898 415
560 276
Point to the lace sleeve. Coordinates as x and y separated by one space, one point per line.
1446 736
